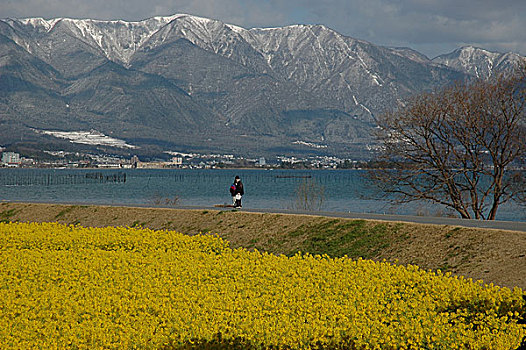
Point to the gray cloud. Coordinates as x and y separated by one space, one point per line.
430 26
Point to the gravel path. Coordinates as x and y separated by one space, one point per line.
491 224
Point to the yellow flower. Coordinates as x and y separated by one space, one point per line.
124 288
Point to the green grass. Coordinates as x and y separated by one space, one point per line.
337 238
6 215
137 223
452 232
65 211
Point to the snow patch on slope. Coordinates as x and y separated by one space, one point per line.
92 137
309 144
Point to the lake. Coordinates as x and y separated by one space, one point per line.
344 190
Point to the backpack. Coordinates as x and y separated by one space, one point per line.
232 189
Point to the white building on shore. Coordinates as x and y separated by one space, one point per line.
10 159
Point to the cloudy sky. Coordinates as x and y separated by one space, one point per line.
432 27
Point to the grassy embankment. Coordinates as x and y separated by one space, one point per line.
495 256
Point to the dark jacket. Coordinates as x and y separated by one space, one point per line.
239 188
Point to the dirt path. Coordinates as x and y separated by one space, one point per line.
495 256
432 220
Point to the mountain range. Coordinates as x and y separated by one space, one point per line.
187 83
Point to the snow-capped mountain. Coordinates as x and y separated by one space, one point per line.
188 81
479 62
118 40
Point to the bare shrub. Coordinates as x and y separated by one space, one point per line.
159 200
309 195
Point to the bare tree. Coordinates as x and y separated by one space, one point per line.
458 147
309 195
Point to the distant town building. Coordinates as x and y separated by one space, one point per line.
134 161
10 159
262 161
177 160
151 165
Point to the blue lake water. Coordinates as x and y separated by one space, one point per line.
344 190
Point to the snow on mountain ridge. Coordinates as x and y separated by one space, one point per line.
40 22
121 39
118 39
478 62
333 56
313 56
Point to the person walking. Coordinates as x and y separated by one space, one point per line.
239 191
233 193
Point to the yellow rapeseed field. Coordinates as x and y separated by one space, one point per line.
70 287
